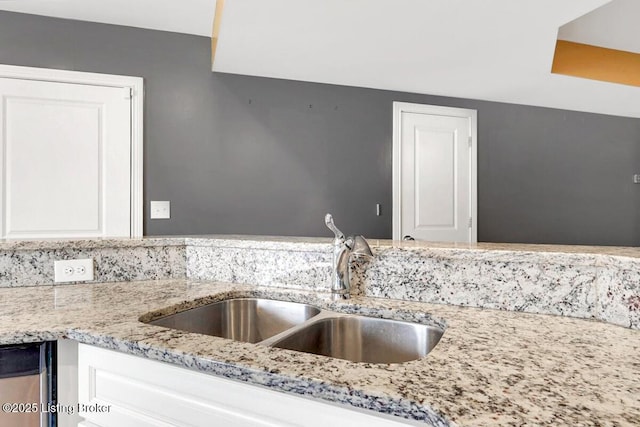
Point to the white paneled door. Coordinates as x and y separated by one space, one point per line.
65 168
434 173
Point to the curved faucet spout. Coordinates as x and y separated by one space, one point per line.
360 246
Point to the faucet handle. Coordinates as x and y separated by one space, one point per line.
328 220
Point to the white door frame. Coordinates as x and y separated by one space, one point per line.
136 93
406 107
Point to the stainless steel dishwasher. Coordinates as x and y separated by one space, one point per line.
27 385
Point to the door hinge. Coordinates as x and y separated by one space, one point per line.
128 92
470 141
470 222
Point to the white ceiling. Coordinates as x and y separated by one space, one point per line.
614 25
497 50
180 16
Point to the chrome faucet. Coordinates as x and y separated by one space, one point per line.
343 248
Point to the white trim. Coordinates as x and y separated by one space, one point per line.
473 197
406 107
136 84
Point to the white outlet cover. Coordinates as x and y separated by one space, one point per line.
160 209
75 270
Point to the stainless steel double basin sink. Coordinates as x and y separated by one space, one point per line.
305 328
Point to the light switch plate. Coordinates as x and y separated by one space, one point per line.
74 270
160 209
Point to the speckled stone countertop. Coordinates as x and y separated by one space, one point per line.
632 252
303 243
490 368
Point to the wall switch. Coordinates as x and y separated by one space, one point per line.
160 209
636 178
75 270
378 209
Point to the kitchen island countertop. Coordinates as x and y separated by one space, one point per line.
490 368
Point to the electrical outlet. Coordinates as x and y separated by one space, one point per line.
160 209
75 270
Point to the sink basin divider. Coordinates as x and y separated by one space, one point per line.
324 314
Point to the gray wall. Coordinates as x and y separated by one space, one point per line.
238 154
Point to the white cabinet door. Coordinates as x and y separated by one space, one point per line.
435 172
65 160
120 390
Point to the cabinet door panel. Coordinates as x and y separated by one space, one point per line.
142 392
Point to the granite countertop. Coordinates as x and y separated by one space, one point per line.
302 243
490 368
